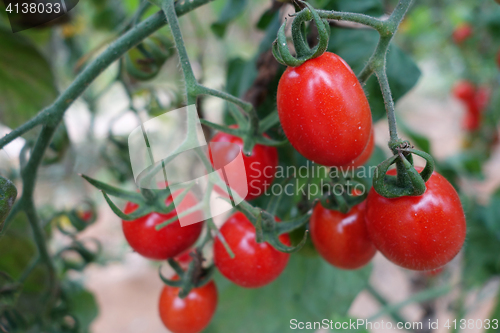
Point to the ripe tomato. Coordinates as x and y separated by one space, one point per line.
184 259
166 242
260 166
254 265
462 33
324 111
472 121
365 155
464 90
418 232
342 239
190 314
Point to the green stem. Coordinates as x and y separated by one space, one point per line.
354 17
389 103
131 38
168 8
377 62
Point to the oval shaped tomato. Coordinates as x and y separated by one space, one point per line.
365 155
418 232
190 314
260 166
342 239
254 264
324 111
166 242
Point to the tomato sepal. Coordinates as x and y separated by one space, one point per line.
195 276
408 181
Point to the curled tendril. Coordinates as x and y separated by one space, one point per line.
408 181
304 52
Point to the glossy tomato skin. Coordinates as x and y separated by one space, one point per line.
166 242
260 166
342 239
190 314
365 155
324 111
462 33
418 232
254 265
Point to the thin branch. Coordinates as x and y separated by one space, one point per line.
131 38
370 21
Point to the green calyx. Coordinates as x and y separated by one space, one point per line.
408 181
343 197
304 52
195 276
8 194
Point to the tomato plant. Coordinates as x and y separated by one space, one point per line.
324 111
421 233
190 314
342 239
303 89
254 265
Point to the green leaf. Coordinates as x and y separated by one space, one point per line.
308 290
230 12
356 47
265 19
26 81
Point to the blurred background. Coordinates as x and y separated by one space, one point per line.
441 47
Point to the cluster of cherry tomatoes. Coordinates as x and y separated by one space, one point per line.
325 115
474 98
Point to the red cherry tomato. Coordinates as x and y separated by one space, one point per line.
166 242
342 239
464 90
260 166
85 215
462 33
184 259
365 155
254 264
190 314
418 232
324 111
472 120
